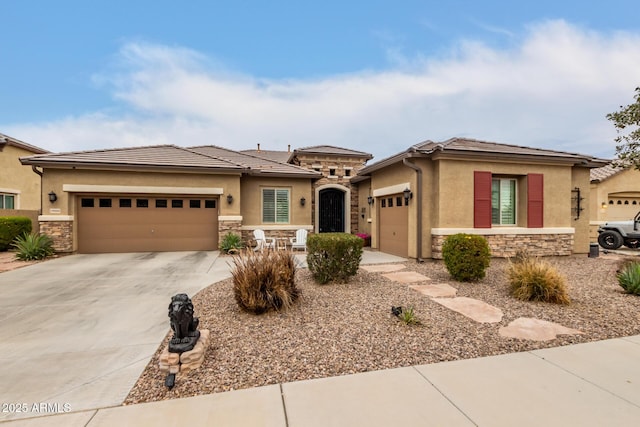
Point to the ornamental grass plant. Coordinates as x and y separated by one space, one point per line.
264 281
532 279
629 277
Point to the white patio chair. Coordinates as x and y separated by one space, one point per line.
300 241
263 241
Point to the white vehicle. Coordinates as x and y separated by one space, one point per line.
612 235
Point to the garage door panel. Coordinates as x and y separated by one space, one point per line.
394 229
146 229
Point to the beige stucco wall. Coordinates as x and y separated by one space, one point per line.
18 178
364 209
581 238
456 178
299 216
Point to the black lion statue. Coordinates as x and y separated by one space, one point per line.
183 324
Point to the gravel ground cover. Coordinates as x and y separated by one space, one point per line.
340 329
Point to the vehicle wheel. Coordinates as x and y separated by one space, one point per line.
610 239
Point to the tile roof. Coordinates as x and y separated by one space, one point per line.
5 139
330 149
605 172
276 156
477 146
474 147
254 163
169 156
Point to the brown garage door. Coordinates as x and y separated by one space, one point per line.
146 224
394 228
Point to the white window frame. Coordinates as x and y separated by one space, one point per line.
4 194
503 181
277 192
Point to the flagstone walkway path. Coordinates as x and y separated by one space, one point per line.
479 311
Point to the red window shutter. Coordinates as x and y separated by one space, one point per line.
535 196
481 199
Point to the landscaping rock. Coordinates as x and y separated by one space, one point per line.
525 328
437 290
474 309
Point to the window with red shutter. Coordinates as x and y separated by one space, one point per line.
535 199
481 199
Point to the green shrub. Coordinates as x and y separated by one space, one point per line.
231 243
466 256
264 281
31 246
629 278
333 256
12 227
532 279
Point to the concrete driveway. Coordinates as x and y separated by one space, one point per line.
79 330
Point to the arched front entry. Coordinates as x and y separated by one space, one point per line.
331 211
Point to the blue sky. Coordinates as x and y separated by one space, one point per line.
377 75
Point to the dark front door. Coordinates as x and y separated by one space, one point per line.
331 211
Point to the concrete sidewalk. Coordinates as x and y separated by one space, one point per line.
592 384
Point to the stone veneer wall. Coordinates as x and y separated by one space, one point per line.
506 245
308 161
228 226
61 232
247 235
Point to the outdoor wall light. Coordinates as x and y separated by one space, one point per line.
302 201
407 195
370 200
604 205
229 198
53 197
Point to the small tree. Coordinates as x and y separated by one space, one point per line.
627 124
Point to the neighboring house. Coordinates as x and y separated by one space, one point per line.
615 195
516 197
19 187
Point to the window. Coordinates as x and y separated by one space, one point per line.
399 201
125 203
86 203
104 203
176 203
209 204
383 203
7 201
161 203
347 172
275 205
142 203
503 201
390 202
332 172
194 204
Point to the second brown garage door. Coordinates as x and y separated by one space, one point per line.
394 227
146 224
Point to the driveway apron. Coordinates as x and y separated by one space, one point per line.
79 330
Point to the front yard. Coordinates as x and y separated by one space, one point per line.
340 329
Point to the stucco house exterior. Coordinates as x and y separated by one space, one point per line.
163 198
516 197
19 186
615 195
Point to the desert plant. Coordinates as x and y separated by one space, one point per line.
629 278
532 279
32 246
406 315
231 243
333 256
264 281
12 227
466 256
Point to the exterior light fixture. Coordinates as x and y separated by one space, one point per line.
229 198
302 201
370 200
53 197
604 205
407 195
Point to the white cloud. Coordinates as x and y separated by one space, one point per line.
551 89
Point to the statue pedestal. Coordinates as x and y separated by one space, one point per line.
181 363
